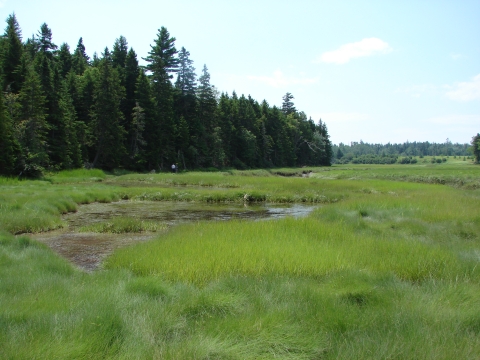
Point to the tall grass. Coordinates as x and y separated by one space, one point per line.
383 269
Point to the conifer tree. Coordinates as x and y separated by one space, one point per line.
45 44
12 54
287 105
151 135
106 116
186 82
131 71
67 140
162 62
80 58
137 145
33 126
64 60
9 147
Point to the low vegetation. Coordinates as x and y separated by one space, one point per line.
386 267
123 225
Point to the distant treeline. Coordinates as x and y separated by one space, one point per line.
365 153
62 110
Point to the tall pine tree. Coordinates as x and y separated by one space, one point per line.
107 117
162 62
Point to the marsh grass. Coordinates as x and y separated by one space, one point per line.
120 225
386 268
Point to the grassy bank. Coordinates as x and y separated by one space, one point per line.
382 269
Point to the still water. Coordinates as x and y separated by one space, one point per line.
87 250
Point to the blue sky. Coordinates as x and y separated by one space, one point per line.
377 71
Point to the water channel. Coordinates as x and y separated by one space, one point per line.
87 250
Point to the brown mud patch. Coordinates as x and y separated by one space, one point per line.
87 250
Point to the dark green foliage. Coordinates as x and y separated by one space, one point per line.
80 58
45 44
476 148
32 127
186 74
12 50
287 105
162 61
63 111
9 147
365 153
106 116
64 60
144 99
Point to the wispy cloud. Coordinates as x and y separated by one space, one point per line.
457 56
465 91
280 80
365 47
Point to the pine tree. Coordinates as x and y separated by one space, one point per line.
119 54
131 71
162 62
287 105
64 60
70 155
45 44
106 116
9 147
144 99
33 126
186 82
80 58
12 54
137 150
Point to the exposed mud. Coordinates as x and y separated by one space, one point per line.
87 250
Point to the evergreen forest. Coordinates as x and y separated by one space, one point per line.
61 109
406 153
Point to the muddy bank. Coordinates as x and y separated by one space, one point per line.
87 250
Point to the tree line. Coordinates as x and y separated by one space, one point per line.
365 153
62 109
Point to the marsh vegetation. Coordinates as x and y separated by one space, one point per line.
386 266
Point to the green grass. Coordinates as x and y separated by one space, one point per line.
120 225
386 267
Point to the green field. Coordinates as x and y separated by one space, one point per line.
387 267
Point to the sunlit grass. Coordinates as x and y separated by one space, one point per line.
386 267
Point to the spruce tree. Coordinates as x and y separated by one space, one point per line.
107 117
162 62
33 126
12 54
9 147
186 82
64 60
80 58
131 70
144 99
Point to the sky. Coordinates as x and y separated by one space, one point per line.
377 71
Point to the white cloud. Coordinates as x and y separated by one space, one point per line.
365 47
280 80
466 91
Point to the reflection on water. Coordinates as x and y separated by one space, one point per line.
87 250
